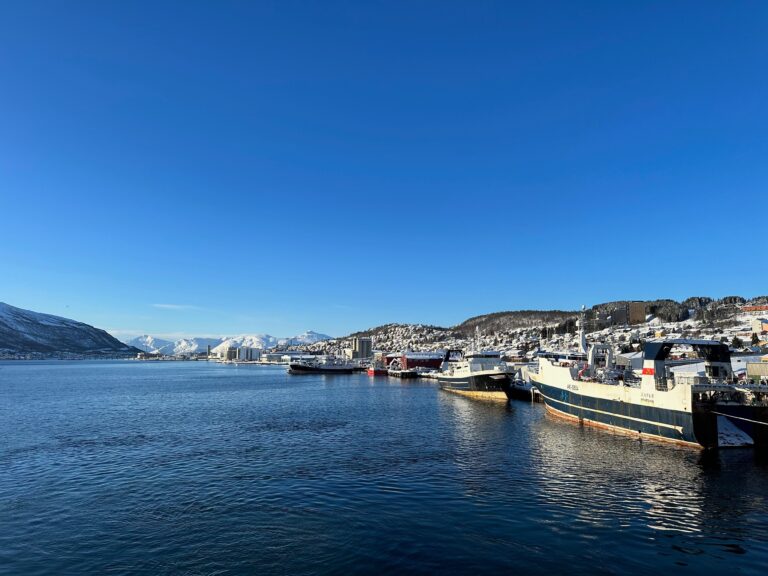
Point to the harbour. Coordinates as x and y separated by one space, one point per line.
222 468
383 288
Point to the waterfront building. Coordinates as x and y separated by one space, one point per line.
411 360
362 347
247 354
229 353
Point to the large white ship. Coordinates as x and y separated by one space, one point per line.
710 408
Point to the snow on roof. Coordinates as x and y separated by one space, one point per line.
630 355
687 341
424 355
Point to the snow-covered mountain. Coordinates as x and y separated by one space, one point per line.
261 341
308 337
194 345
155 345
151 344
23 332
187 346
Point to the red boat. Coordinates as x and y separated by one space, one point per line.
377 371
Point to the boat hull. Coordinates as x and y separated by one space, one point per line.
403 374
752 420
698 429
519 391
486 386
304 369
377 372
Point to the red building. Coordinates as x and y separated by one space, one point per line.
411 360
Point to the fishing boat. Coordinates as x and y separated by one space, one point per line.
320 365
479 374
520 385
403 374
706 408
376 370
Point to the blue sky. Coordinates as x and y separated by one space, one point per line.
215 168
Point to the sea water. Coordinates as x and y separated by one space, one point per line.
204 468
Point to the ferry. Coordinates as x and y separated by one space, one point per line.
707 408
476 374
320 365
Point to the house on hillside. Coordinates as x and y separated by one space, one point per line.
759 325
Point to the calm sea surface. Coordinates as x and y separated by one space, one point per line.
198 468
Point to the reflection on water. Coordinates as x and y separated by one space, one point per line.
591 491
200 468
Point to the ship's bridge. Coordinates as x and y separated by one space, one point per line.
716 356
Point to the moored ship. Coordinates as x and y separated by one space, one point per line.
520 386
476 374
321 365
707 409
376 370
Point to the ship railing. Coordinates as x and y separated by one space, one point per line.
664 384
700 381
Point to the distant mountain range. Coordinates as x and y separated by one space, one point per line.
154 345
31 334
23 332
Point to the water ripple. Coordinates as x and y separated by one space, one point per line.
190 468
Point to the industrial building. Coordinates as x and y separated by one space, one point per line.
246 354
362 347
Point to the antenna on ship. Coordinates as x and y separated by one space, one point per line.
582 335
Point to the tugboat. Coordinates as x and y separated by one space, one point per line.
475 374
708 409
320 365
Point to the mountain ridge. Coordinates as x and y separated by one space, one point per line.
25 332
196 345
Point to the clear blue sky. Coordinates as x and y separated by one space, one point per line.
279 166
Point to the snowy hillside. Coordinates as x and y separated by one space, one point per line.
23 332
520 331
305 338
